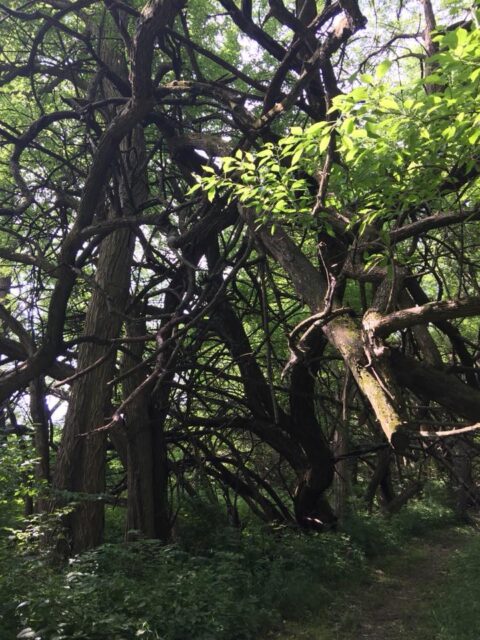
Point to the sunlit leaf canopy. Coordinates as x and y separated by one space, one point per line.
383 170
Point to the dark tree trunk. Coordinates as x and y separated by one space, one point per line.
147 465
81 460
465 494
40 418
312 508
381 479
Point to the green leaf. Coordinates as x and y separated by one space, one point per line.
265 153
194 188
382 69
433 78
228 164
280 206
359 133
450 39
324 143
449 132
371 130
367 78
472 139
296 156
360 93
462 36
299 184
317 127
349 125
389 104
329 230
475 75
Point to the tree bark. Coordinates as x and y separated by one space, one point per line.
80 465
81 461
147 466
375 378
40 419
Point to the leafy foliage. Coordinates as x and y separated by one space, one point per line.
247 582
17 481
396 148
201 400
456 612
145 589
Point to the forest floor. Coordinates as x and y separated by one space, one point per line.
411 595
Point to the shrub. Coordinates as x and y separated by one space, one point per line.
224 584
144 589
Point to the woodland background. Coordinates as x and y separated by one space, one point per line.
239 344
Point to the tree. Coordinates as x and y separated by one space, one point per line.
176 314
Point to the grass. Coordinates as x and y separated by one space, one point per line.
427 590
455 605
143 589
218 583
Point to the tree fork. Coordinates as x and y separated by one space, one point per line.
375 379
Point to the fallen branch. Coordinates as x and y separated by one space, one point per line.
427 433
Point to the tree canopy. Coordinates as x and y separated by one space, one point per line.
239 254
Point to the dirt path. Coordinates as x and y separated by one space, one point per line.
395 606
394 602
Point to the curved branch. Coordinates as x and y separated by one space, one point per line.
382 326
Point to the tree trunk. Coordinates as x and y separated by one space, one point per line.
147 466
464 490
381 478
81 461
312 508
40 418
341 482
374 378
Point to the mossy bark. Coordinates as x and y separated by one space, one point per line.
374 378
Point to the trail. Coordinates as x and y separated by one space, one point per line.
396 605
394 601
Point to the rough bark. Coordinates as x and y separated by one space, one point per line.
430 382
312 508
80 466
40 418
80 463
374 377
381 478
383 326
147 468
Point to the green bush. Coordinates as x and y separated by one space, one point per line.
215 583
377 534
143 589
422 516
373 534
16 478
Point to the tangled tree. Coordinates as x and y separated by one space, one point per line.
239 251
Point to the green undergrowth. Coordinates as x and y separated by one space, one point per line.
376 535
456 605
222 584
